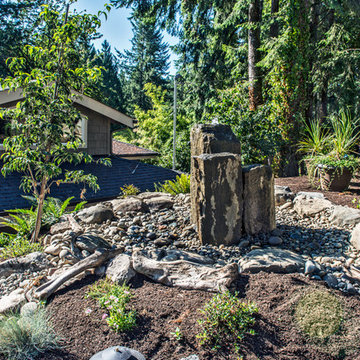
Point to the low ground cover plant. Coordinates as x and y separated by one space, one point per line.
226 320
24 337
114 299
319 314
128 190
179 186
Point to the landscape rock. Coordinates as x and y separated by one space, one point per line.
311 268
13 301
118 353
309 204
156 201
330 280
185 274
217 191
344 215
132 204
275 240
271 260
282 195
191 357
91 242
259 201
120 269
210 139
355 237
95 214
53 250
32 262
60 227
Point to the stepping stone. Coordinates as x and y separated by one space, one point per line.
118 353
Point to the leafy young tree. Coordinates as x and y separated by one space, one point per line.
43 125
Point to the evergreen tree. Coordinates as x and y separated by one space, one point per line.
146 62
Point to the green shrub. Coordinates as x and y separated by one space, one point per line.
18 246
20 220
180 186
25 337
115 299
4 239
226 320
128 190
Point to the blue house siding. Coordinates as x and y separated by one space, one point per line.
110 179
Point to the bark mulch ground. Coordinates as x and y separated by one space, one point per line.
161 309
301 183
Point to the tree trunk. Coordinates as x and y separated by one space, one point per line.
255 80
39 211
274 27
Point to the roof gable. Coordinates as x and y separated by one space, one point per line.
8 97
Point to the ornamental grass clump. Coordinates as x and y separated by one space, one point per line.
319 314
226 320
115 300
24 337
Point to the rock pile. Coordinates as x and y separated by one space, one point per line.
310 242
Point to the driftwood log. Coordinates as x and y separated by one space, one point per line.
75 227
94 260
186 274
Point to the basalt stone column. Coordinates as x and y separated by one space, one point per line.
210 139
217 188
259 199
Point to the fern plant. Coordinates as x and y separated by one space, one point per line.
179 186
20 220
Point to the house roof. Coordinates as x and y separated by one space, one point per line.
8 97
123 149
110 179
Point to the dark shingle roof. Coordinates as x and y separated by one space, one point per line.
120 148
110 179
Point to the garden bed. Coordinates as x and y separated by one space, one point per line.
302 183
161 309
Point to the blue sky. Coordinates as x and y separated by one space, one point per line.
117 28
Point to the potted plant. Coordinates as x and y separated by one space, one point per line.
337 166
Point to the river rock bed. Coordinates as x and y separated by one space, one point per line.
165 225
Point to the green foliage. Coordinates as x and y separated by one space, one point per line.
257 131
18 245
20 220
355 201
26 337
176 334
226 321
115 300
179 186
319 314
315 139
44 124
4 239
128 190
155 130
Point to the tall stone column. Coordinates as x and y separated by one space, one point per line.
210 139
217 191
259 199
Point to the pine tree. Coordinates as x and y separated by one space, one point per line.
146 62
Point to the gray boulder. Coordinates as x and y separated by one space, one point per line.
118 353
133 204
355 237
120 269
95 214
60 227
13 301
283 194
272 260
91 242
309 204
344 215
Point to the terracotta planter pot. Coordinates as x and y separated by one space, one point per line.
334 180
